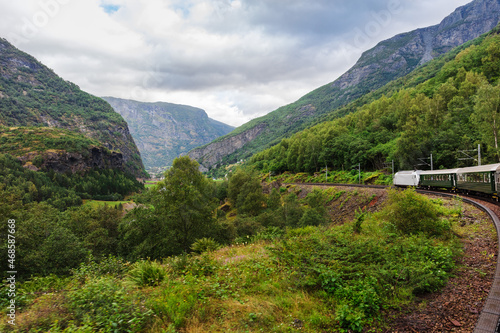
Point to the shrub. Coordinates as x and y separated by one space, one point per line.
246 226
272 219
146 273
245 192
269 234
178 263
359 218
411 213
93 268
292 211
205 245
274 200
188 264
312 217
106 306
201 265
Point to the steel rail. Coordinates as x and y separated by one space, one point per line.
489 318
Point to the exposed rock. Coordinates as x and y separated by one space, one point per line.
163 131
401 54
63 161
210 154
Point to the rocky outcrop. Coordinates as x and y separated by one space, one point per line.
389 60
163 131
63 161
209 155
401 54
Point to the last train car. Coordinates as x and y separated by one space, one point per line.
445 178
483 179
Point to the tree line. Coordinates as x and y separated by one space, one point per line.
456 109
184 209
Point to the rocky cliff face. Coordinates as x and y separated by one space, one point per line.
163 131
211 154
63 161
33 95
401 54
385 62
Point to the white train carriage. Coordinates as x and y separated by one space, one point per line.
407 178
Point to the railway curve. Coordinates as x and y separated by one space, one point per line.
489 317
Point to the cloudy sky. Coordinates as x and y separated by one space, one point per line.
236 59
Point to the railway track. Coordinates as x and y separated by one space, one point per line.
489 318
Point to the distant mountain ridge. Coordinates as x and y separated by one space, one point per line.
163 131
390 59
32 95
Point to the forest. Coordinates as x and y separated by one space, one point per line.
194 250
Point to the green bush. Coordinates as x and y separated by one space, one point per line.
205 245
93 268
194 265
312 217
201 265
358 221
107 306
411 213
246 226
269 233
292 211
245 192
147 273
362 273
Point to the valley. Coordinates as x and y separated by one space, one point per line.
134 216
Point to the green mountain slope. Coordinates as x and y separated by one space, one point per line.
33 95
163 131
389 60
451 104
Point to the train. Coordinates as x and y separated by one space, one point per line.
483 180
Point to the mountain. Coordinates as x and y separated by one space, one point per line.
32 95
390 59
444 108
163 131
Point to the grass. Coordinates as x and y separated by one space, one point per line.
344 177
150 183
101 203
310 279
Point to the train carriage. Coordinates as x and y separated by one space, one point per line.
439 178
480 179
406 178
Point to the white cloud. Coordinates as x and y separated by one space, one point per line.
237 59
